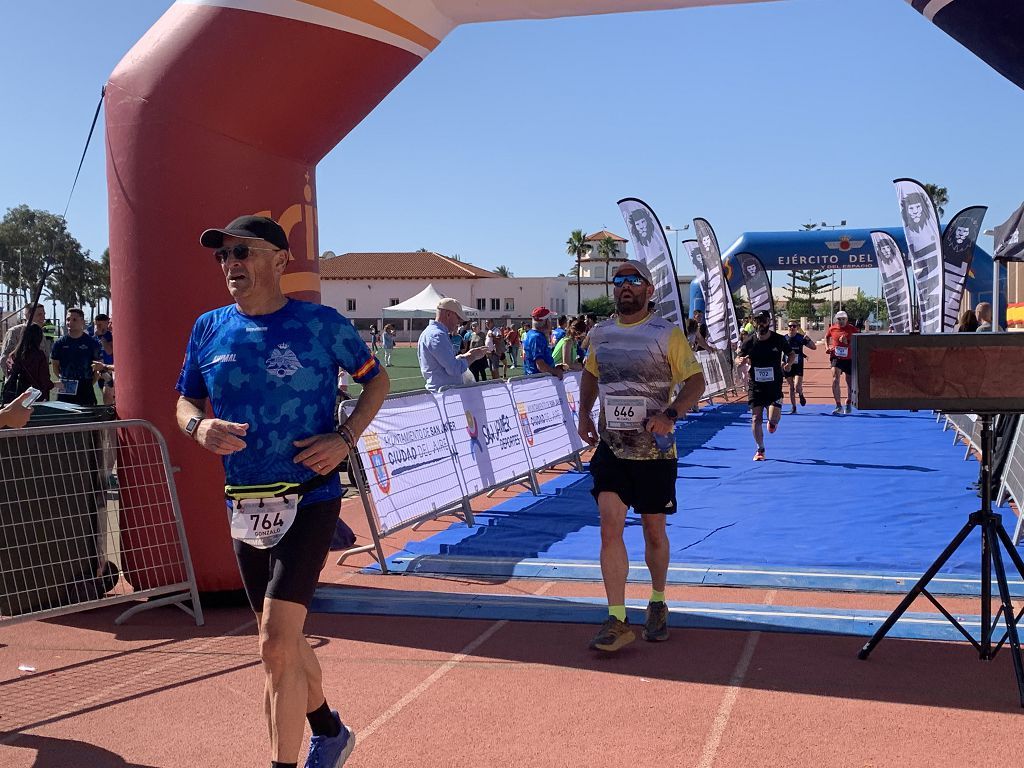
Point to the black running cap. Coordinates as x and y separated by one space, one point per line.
764 314
251 227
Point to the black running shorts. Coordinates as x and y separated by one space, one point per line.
846 366
646 485
290 569
764 397
796 370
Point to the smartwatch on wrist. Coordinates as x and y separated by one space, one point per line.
193 425
672 413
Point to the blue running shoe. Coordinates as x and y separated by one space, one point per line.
331 751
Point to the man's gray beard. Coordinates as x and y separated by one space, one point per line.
631 308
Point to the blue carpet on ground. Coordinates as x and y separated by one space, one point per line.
861 502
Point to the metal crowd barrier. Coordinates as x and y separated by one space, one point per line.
424 455
84 524
966 427
1012 484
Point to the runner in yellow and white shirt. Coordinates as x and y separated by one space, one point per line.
635 363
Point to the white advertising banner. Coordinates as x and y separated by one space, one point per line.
571 385
714 376
487 435
545 419
410 465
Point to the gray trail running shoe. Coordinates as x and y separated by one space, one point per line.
656 623
613 635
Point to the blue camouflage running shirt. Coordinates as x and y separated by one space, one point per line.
277 373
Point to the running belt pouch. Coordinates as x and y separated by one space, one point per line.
261 515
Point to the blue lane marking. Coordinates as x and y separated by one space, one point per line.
587 610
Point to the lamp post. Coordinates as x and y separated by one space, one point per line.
677 230
824 224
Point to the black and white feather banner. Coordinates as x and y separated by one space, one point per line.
719 315
895 283
958 242
1009 238
759 287
651 247
921 227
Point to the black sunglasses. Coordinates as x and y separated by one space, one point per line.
240 252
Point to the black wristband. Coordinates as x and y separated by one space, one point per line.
346 434
672 413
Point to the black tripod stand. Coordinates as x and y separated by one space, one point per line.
992 535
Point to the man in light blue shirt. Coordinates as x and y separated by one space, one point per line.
439 364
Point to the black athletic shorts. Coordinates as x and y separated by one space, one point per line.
764 397
796 370
646 485
846 366
290 569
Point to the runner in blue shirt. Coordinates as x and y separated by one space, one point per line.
536 352
268 366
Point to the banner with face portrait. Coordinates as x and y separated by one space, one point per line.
692 250
759 287
1009 238
957 253
895 283
921 227
719 314
652 249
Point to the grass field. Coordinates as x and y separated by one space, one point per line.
404 371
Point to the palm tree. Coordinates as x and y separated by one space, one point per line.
606 249
577 247
939 196
504 271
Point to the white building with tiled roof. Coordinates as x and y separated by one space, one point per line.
361 285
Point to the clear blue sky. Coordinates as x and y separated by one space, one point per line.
756 117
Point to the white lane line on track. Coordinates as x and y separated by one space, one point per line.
714 739
437 674
171 660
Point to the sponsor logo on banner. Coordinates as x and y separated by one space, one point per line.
524 422
375 453
473 430
572 403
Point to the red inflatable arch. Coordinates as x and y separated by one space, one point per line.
225 107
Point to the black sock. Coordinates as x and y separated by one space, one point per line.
322 722
276 764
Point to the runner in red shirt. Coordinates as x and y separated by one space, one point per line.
838 342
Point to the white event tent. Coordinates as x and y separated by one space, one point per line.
423 304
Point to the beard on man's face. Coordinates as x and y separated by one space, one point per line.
630 303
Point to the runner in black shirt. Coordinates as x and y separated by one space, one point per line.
795 375
769 356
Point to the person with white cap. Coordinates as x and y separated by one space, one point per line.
838 344
636 362
439 364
